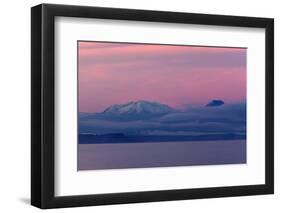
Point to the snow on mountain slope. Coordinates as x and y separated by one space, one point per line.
139 107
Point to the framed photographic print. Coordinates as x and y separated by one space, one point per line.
139 106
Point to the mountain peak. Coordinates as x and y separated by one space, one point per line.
139 107
215 103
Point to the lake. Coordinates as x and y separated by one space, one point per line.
158 154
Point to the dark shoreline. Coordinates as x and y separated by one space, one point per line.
121 138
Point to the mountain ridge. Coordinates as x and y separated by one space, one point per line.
133 110
139 107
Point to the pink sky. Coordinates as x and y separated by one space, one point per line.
179 76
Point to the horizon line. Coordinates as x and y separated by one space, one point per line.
176 108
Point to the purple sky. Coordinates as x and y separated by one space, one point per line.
179 76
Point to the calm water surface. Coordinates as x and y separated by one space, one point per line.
145 155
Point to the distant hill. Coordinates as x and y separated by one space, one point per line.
215 103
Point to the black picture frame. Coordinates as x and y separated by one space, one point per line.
43 114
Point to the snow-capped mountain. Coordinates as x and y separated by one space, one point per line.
139 107
135 110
